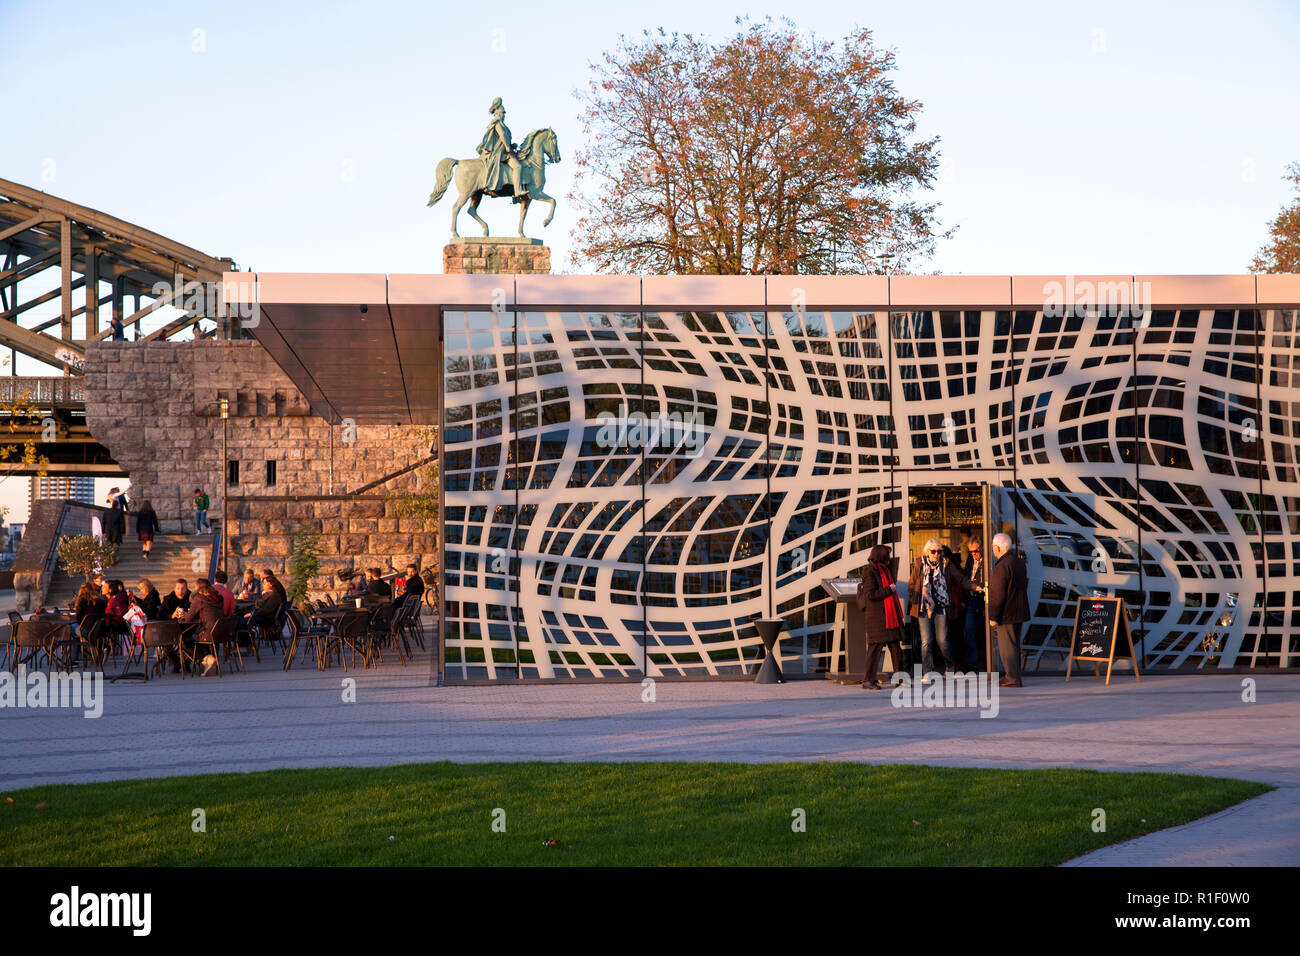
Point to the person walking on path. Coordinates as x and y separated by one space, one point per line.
1008 606
882 612
201 505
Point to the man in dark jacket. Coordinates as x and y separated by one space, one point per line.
177 600
376 585
973 617
1008 606
414 586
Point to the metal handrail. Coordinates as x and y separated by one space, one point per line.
43 389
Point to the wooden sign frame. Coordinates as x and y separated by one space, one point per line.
1121 626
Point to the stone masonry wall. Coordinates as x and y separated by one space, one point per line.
155 406
468 257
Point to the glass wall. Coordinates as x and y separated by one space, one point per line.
626 492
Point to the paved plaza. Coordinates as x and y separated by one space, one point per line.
269 718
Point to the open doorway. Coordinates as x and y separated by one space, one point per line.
953 515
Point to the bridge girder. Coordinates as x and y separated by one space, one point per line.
41 234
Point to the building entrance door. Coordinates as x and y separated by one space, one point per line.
954 515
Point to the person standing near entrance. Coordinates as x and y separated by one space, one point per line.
882 613
201 505
1008 608
931 596
973 619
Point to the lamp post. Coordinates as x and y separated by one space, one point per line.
225 487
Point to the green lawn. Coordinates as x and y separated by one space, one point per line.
603 813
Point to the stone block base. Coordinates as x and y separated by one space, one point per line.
495 257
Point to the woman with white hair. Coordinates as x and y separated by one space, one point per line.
932 594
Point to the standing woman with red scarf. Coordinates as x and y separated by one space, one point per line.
878 601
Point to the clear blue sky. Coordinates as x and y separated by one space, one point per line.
1106 136
1111 137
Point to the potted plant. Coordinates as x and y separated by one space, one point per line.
83 554
304 564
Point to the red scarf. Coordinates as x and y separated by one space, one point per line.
893 615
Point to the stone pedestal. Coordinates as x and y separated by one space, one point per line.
496 255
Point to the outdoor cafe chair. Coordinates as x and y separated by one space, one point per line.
95 639
220 642
385 628
33 637
309 635
353 635
9 648
410 622
258 631
158 636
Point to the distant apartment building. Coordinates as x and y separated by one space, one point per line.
72 487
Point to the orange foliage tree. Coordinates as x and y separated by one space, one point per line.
770 152
1282 251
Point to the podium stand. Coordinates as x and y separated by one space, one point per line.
845 591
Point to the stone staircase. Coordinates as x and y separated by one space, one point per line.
173 557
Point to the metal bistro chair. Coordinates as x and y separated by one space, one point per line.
34 638
354 636
412 626
10 651
95 639
220 638
385 628
259 630
310 635
158 636
415 621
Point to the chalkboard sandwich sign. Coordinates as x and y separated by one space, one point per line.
1099 624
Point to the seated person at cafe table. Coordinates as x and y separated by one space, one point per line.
376 586
147 599
89 600
414 586
250 588
204 612
227 595
115 610
178 598
268 608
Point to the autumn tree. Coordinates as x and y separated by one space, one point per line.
1282 251
20 416
770 152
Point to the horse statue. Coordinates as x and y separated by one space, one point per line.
539 148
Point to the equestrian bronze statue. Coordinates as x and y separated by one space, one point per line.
501 170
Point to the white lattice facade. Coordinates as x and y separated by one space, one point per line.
1151 456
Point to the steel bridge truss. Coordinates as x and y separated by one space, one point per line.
76 253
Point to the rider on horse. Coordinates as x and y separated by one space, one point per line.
495 147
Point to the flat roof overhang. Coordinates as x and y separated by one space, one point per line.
367 346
